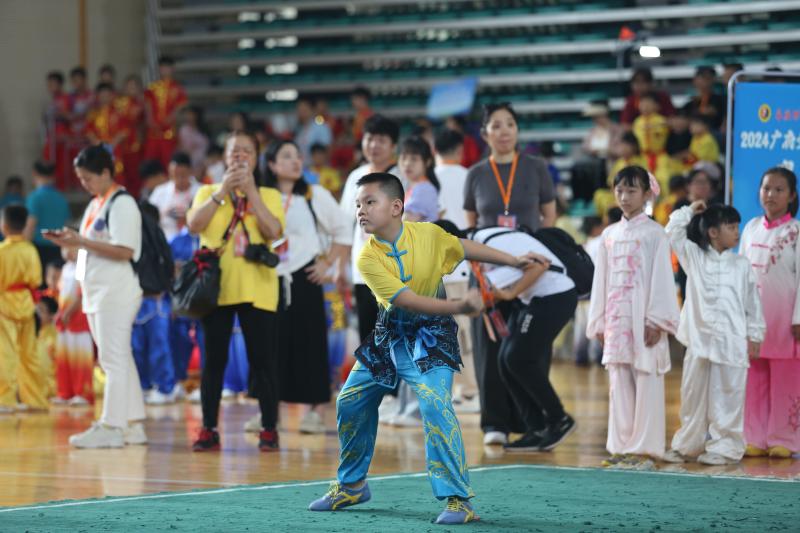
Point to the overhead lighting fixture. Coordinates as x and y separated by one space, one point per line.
287 95
246 43
244 70
649 52
285 68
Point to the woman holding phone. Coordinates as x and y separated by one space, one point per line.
108 240
240 220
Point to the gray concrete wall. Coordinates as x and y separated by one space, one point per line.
37 36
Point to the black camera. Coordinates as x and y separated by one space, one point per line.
260 253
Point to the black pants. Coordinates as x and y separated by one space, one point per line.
526 354
260 331
367 309
48 254
498 412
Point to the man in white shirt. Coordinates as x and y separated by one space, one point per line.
174 197
378 146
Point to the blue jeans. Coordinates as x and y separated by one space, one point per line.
181 344
357 422
151 347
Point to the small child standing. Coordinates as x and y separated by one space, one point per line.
770 242
75 349
704 146
20 274
46 309
633 306
721 326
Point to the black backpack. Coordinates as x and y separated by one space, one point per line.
579 265
155 266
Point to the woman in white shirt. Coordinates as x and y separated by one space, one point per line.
318 239
109 240
722 327
543 301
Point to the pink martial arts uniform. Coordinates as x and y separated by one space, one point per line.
772 401
634 286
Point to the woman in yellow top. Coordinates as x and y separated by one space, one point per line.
252 217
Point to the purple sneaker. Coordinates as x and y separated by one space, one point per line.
339 497
458 511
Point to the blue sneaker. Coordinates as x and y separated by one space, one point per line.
458 511
339 497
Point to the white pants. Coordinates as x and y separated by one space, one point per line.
636 418
111 330
464 382
712 404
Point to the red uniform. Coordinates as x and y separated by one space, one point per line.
104 124
163 98
131 110
80 106
57 132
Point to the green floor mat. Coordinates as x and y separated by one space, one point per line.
509 498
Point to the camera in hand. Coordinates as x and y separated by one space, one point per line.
260 253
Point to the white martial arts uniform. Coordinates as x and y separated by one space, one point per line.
721 312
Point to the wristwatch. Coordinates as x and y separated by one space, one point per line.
216 201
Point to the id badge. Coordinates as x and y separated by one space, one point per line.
80 265
507 221
239 243
499 323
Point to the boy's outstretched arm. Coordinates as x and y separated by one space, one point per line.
475 251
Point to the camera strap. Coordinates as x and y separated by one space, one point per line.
239 210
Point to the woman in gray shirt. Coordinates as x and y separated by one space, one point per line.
508 188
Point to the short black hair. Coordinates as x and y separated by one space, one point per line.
389 184
307 98
649 95
629 138
95 159
491 109
643 73
677 182
103 86
704 70
215 149
448 141
381 125
15 216
362 92
56 76
713 217
150 168
633 176
166 61
181 158
50 304
589 223
44 168
703 119
14 180
107 68
77 71
318 147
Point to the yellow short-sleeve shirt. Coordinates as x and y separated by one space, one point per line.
20 273
241 281
417 259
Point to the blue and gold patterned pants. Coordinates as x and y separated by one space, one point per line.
357 420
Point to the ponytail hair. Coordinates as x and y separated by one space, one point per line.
416 145
791 181
713 217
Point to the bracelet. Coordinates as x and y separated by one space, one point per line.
218 202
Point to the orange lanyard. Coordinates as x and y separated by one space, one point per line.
98 204
287 203
505 192
486 291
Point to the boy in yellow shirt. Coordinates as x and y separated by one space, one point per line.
704 146
651 130
20 275
414 339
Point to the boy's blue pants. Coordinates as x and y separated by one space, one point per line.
357 421
151 346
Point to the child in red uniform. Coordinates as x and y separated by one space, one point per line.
163 101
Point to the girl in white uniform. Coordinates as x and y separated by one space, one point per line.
722 326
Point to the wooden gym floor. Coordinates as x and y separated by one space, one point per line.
38 465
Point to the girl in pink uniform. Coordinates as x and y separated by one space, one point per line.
772 400
633 307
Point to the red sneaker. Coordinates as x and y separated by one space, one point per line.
207 441
268 440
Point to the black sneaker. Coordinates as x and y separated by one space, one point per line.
529 442
207 441
556 432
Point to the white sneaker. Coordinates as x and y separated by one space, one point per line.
495 437
78 401
228 394
312 423
674 456
194 396
473 405
134 434
253 425
710 458
406 421
98 436
157 397
179 392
